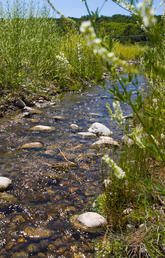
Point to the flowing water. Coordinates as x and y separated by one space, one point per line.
47 189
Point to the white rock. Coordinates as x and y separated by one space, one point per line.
32 145
105 141
100 129
86 134
92 220
74 126
4 183
42 128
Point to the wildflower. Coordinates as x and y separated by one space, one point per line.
137 136
147 13
119 173
86 26
95 43
118 114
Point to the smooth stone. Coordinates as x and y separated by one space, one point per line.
74 126
89 222
105 141
32 145
19 103
43 128
4 183
92 219
86 134
37 233
99 129
58 117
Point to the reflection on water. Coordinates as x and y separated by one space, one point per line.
54 182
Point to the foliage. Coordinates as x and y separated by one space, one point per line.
129 51
135 199
35 51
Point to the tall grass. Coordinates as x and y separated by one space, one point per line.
34 51
129 52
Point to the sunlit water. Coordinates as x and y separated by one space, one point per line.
47 189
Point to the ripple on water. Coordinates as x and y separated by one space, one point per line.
52 183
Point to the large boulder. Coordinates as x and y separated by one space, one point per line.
99 129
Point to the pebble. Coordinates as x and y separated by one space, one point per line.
58 117
74 126
43 128
86 134
4 183
32 145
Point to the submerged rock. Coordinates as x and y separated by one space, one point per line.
32 145
99 129
74 126
105 141
4 183
86 134
37 233
89 222
58 117
7 198
43 128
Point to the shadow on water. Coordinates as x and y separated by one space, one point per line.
47 189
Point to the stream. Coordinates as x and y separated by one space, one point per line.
47 189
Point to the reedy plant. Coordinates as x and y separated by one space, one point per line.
132 183
122 93
34 51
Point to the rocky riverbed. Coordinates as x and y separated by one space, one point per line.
55 173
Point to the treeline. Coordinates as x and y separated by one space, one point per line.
121 27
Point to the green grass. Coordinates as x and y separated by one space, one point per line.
35 53
129 52
134 206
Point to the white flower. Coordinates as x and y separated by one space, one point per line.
85 25
119 173
97 41
146 21
111 54
147 12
